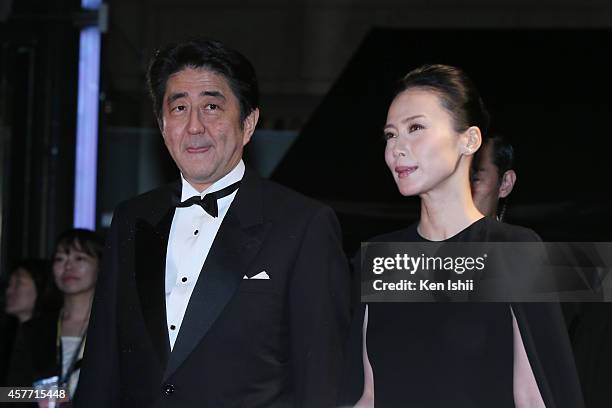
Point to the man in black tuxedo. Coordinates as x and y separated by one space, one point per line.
222 289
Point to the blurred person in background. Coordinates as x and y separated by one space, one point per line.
493 176
26 281
29 292
50 346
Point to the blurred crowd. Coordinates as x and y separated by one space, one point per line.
46 312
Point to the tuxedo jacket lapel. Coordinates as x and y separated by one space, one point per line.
151 243
237 242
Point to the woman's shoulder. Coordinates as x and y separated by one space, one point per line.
497 231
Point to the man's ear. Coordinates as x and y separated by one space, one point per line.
507 184
249 124
473 140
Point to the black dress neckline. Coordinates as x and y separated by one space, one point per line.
471 233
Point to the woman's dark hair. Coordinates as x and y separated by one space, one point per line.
84 240
208 54
456 91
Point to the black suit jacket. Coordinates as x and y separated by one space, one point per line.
242 343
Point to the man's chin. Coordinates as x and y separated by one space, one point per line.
201 180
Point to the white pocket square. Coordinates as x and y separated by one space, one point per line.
260 275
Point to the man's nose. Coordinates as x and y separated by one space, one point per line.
196 124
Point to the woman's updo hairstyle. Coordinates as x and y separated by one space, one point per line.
456 91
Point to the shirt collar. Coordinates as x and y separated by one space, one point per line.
233 176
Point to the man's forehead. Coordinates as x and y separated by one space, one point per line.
203 79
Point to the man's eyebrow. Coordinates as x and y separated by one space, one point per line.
180 95
215 94
176 96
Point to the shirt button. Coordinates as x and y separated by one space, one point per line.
168 389
195 232
172 327
184 279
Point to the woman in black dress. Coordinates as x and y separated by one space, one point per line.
456 355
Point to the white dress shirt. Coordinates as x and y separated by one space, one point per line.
192 234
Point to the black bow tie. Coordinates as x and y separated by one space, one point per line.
209 201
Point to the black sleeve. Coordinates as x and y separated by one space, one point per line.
550 355
319 304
